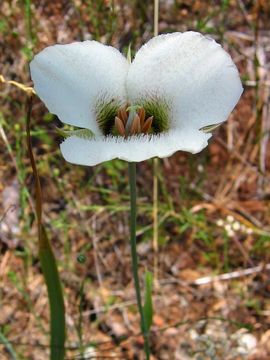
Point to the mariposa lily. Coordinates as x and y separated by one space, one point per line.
176 90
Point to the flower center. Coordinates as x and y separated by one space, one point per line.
149 116
128 122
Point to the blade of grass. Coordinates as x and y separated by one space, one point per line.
148 303
48 264
8 346
28 49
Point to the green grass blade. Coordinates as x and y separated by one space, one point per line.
8 346
57 308
48 265
148 304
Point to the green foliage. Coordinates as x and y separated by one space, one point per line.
254 304
50 272
3 26
8 346
148 304
114 169
81 133
28 52
20 153
99 16
261 245
81 258
48 263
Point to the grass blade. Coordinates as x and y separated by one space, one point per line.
148 304
48 265
8 346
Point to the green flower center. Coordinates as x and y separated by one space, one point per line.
146 117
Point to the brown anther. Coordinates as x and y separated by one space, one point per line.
135 127
141 114
123 115
147 125
119 126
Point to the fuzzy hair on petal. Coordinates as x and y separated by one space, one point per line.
135 148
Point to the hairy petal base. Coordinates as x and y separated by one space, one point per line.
136 148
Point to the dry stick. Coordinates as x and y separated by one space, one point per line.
95 248
264 93
155 179
156 13
28 89
231 275
8 146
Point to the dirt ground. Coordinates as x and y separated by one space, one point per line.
213 207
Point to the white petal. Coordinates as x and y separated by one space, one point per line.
192 73
71 78
94 151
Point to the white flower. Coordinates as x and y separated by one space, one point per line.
179 85
236 225
228 227
230 218
220 222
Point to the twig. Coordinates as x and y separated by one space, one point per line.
231 275
95 252
28 89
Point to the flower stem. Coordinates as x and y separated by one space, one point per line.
132 182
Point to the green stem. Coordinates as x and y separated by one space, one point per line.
132 182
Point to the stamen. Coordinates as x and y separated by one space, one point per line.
147 125
132 122
148 116
141 114
122 114
119 126
135 127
